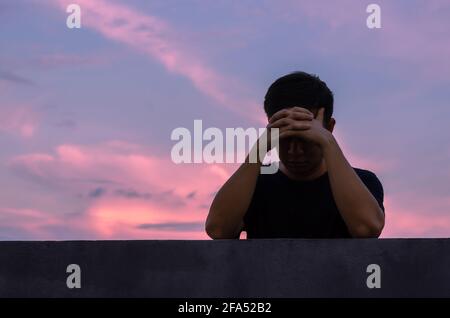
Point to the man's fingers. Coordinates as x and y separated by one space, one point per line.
288 111
291 124
300 125
291 118
280 123
301 109
301 116
279 114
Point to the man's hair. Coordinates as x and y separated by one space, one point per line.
299 89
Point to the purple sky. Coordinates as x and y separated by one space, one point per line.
86 114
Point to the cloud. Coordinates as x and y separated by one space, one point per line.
132 194
121 193
25 223
142 188
35 224
418 218
135 219
19 120
191 195
174 226
149 197
14 78
96 193
120 163
417 41
154 37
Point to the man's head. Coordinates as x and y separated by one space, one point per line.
300 89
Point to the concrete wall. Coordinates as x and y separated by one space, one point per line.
227 268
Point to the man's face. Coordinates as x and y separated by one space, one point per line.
300 156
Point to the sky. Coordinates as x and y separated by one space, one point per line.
86 114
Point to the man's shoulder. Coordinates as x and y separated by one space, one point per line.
367 176
364 172
372 183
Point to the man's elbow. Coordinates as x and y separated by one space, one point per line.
369 230
217 232
213 232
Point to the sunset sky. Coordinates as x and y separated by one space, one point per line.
86 114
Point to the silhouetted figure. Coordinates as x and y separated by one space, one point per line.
316 193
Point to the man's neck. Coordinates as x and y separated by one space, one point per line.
316 173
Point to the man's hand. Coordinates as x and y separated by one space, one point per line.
300 123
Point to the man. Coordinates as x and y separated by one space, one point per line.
316 193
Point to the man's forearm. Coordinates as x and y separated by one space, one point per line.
358 207
231 202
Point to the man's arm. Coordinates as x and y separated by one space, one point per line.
225 218
358 207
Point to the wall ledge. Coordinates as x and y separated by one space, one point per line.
226 268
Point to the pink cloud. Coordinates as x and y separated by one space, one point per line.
161 191
112 218
415 40
19 120
168 201
413 220
30 221
157 39
119 162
